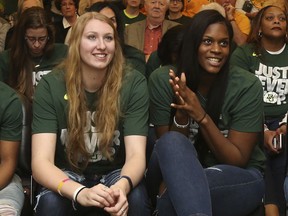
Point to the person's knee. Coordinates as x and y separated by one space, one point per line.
138 199
6 209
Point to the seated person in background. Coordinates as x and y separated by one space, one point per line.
208 152
134 57
168 48
239 21
22 6
94 152
192 7
69 12
265 55
85 4
174 12
11 191
4 28
145 35
132 12
33 53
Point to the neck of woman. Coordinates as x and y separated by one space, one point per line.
132 11
93 80
174 16
272 45
71 19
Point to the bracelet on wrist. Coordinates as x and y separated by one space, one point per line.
179 125
75 195
129 181
60 185
200 121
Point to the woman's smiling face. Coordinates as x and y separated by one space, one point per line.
214 49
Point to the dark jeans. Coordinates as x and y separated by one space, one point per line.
275 173
51 203
221 190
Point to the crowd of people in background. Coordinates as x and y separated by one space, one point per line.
146 107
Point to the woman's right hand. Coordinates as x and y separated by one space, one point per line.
100 196
268 142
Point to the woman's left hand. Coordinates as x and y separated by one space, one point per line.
121 204
186 99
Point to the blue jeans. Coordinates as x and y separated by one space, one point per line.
51 203
220 190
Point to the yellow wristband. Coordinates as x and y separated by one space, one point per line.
60 185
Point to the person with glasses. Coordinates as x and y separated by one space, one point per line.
33 53
69 12
174 12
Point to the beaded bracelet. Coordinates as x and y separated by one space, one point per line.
179 125
60 185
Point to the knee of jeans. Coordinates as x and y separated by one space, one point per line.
48 201
138 196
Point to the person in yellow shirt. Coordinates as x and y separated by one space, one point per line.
191 7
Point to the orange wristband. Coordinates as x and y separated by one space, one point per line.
60 185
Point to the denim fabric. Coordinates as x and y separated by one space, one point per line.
275 173
51 203
13 195
220 190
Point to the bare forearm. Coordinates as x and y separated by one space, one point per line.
134 168
6 174
223 149
49 176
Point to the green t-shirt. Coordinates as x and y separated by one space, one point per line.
129 20
50 116
242 109
10 114
46 63
272 71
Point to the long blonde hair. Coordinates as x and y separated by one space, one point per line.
108 105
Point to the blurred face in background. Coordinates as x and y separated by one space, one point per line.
36 40
156 9
175 6
68 8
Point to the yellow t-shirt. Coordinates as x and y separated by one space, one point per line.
243 22
191 7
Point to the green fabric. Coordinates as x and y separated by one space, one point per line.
272 71
135 58
50 116
153 63
46 64
127 21
242 109
10 114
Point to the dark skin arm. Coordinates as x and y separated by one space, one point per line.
228 150
8 155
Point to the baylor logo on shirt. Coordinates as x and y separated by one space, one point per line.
275 83
36 76
92 139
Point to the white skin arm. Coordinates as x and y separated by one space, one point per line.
228 150
48 175
8 163
134 167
